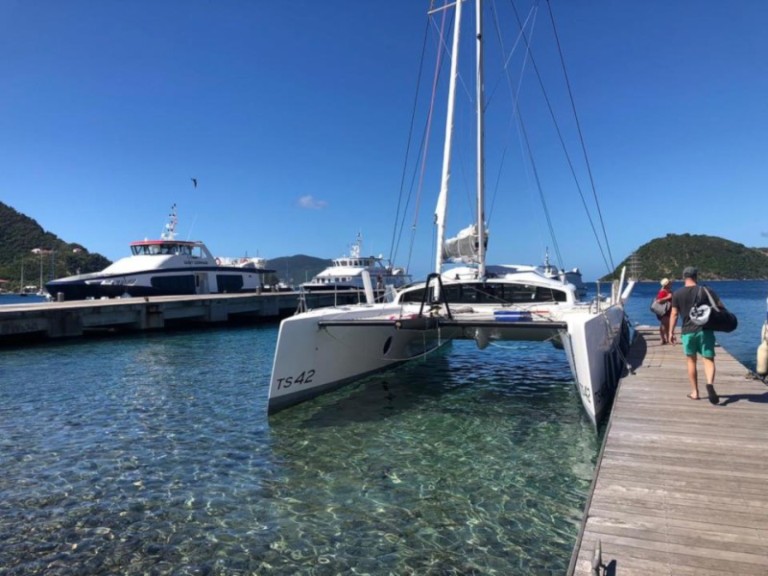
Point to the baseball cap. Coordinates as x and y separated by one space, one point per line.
690 272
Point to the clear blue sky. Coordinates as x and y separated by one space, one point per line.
294 115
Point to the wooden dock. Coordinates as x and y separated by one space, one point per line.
681 486
76 318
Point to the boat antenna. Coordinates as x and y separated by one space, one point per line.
169 230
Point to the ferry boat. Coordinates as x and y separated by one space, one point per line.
347 273
551 271
164 267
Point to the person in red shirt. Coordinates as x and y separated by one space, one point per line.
664 295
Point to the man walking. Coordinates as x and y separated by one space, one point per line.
695 339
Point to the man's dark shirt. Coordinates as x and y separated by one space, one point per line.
684 298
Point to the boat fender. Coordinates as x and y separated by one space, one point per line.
762 355
481 338
762 359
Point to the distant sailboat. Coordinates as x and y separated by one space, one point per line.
40 289
22 291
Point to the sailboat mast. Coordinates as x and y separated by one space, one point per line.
442 200
480 141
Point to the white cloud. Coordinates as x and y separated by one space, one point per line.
311 203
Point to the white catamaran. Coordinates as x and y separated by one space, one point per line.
320 350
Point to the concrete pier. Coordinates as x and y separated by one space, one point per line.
50 320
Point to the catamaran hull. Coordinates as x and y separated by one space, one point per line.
321 351
596 346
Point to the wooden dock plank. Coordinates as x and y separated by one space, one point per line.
681 486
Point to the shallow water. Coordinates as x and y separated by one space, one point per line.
152 454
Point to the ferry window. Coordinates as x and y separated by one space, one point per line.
174 284
229 283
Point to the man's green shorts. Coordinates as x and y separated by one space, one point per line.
701 342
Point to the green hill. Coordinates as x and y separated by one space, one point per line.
716 259
294 270
20 235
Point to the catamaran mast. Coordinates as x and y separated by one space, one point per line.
442 199
480 142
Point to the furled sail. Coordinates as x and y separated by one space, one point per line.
464 246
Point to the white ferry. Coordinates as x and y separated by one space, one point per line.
164 267
346 273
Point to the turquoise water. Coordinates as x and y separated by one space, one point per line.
152 454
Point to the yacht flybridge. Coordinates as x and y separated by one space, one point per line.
323 349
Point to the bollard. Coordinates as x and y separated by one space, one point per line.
597 559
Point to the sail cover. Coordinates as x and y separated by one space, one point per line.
464 246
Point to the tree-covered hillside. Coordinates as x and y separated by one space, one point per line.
716 259
294 270
23 242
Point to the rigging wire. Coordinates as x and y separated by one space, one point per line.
427 129
397 234
525 141
491 97
405 199
420 169
562 139
581 136
460 163
515 94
